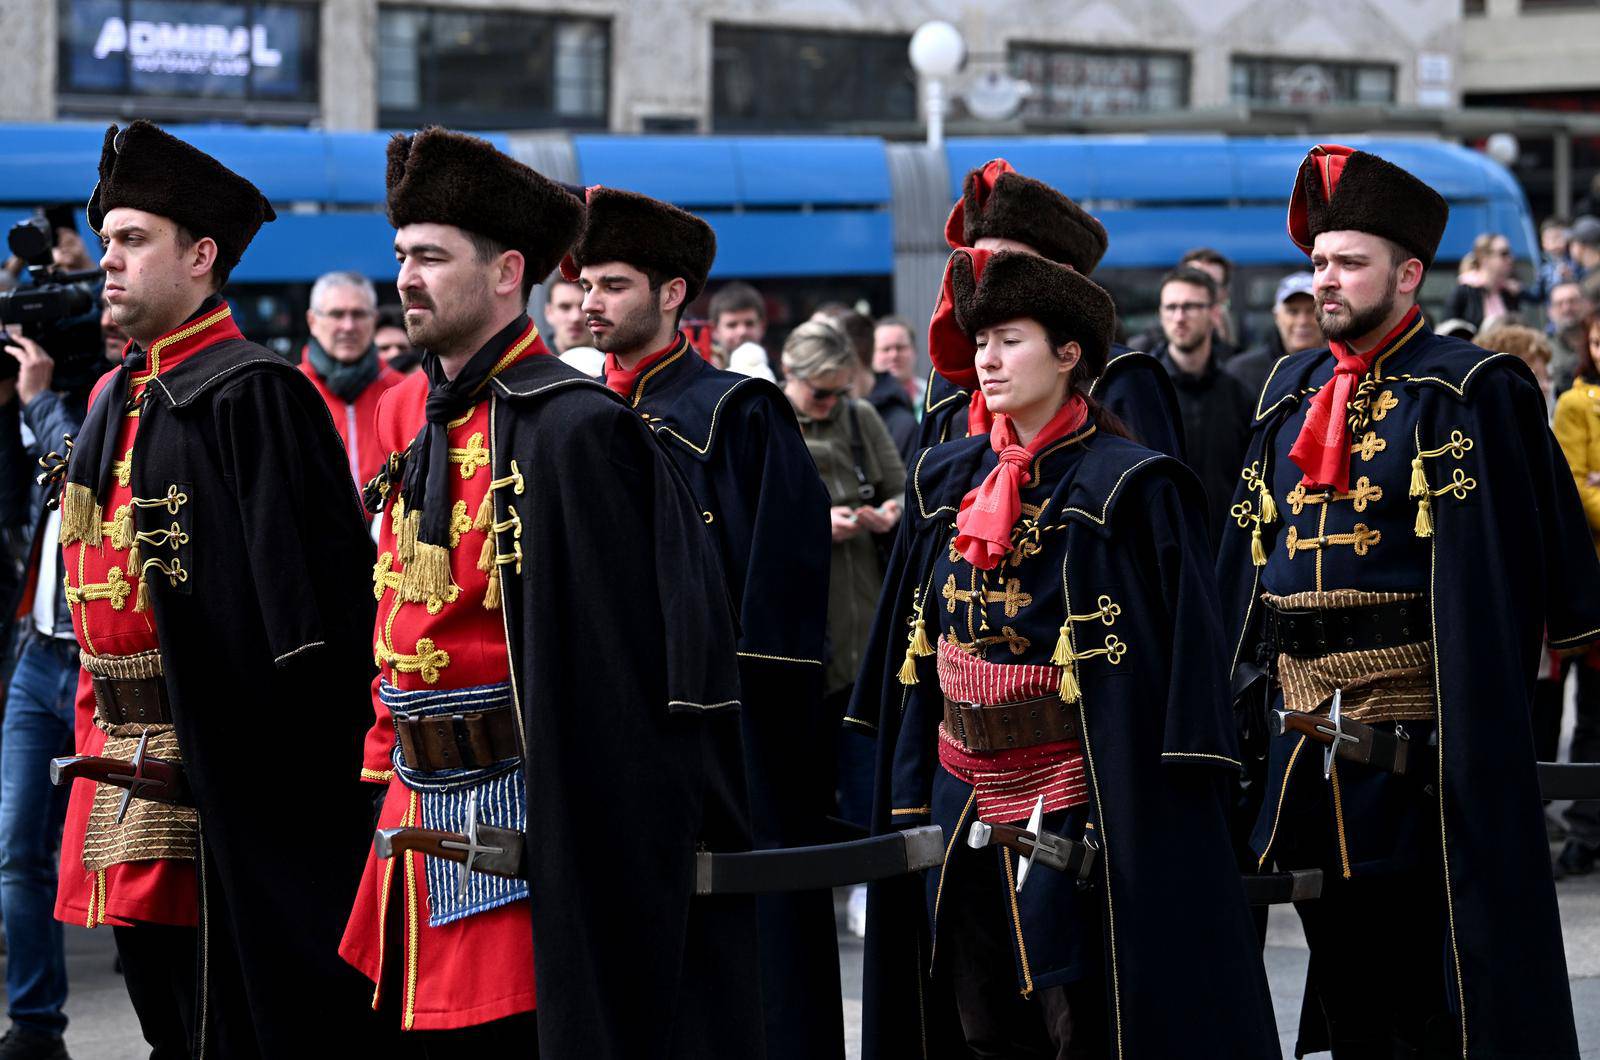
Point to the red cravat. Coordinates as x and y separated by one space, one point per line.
983 525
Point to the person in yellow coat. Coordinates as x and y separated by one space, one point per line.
1577 427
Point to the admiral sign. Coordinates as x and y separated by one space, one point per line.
175 48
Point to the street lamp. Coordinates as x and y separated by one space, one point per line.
936 53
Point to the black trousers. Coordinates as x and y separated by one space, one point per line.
159 968
1066 1022
1583 816
1379 947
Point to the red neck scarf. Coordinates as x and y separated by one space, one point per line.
1322 449
983 525
621 379
979 419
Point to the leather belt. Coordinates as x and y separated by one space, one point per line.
473 740
1008 726
1316 632
132 700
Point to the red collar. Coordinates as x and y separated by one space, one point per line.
622 380
184 341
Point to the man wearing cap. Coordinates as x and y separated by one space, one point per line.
535 547
1000 209
211 542
1295 328
736 441
1404 531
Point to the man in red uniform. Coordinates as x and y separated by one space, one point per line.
534 550
207 528
341 360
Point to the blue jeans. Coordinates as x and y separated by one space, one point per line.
38 727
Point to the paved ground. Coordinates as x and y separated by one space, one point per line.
103 1026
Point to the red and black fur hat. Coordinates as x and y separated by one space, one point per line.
999 202
983 288
1340 189
645 233
144 167
441 177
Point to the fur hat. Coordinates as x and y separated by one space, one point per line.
441 177
998 201
146 168
645 233
1339 189
983 288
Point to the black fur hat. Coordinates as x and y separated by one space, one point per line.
998 201
644 232
982 289
1339 189
441 177
143 167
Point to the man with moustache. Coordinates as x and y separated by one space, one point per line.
1000 209
342 362
1404 533
737 442
535 548
212 545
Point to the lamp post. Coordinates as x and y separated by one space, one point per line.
936 53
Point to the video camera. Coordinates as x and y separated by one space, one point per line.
52 310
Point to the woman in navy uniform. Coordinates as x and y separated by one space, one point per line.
1047 644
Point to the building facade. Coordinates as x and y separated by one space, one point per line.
703 65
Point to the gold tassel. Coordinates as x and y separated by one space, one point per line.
428 573
1062 656
141 600
919 638
1269 508
486 555
491 596
485 517
122 528
1419 481
134 564
80 515
908 669
1258 554
1070 692
406 527
1425 517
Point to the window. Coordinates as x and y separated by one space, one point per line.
491 69
1310 82
1080 82
789 80
244 51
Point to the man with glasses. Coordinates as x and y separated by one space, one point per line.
1215 406
342 362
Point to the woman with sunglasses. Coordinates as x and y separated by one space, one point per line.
1488 288
1047 656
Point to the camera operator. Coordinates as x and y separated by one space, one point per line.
38 407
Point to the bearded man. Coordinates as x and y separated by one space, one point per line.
1404 532
737 442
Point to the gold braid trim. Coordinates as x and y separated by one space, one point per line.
122 667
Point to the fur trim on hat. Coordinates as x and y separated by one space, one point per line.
1032 212
441 177
1016 285
645 233
144 167
1370 195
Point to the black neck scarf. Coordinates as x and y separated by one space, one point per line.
345 380
94 449
425 486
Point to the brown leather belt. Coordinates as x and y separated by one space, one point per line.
1008 726
132 700
474 740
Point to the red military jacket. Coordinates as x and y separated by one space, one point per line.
480 968
357 420
109 620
